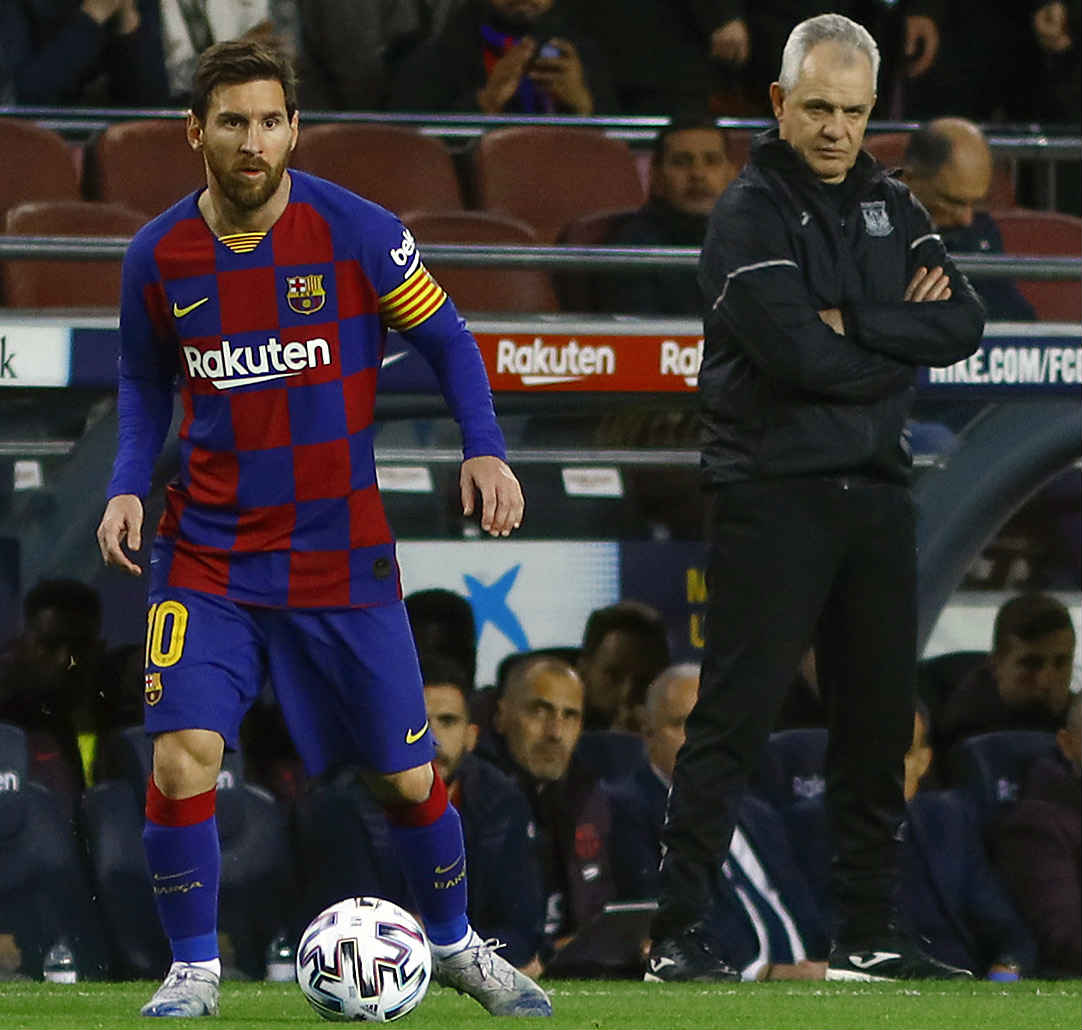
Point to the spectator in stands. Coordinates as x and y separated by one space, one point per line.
187 29
1038 851
760 886
948 166
505 898
688 172
66 52
1026 683
752 34
49 671
537 725
506 56
624 646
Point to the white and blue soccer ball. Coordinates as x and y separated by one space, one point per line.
364 959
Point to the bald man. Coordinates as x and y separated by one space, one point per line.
948 166
763 908
537 726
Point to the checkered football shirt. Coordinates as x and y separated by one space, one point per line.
277 350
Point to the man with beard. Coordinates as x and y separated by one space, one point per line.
506 57
688 173
268 296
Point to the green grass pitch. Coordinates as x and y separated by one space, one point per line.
597 1005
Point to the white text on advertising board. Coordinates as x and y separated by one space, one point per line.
540 364
677 360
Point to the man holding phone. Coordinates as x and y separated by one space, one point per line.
506 57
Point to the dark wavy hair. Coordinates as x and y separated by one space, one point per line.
241 60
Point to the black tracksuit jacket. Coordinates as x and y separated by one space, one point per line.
781 393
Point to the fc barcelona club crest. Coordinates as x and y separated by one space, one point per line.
305 293
876 219
152 693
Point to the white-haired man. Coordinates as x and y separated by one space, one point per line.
825 287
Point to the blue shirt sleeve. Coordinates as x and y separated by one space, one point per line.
145 382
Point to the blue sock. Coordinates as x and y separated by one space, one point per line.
428 838
184 858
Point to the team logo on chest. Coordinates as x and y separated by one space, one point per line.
305 293
876 219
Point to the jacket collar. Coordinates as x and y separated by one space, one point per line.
770 151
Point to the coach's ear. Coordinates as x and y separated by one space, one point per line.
194 131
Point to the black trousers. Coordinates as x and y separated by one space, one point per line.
829 560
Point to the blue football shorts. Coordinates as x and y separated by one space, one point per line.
347 679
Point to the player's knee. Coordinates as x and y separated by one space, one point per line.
186 762
408 787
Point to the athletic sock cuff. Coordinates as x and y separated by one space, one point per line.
178 811
425 813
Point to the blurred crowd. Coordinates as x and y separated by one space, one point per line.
560 770
1009 62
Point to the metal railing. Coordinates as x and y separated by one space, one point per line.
106 248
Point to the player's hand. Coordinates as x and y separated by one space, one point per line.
501 496
122 524
564 78
928 284
505 76
921 43
731 43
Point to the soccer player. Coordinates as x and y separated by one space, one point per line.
268 296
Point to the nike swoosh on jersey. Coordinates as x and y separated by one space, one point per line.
412 736
179 312
874 959
441 869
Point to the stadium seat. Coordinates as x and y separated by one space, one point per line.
794 766
888 148
396 167
549 175
146 165
44 895
37 165
992 766
483 289
581 290
256 897
65 284
1044 233
738 146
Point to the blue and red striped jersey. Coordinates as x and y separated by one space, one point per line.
276 342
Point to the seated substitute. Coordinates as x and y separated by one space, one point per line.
537 724
948 166
688 172
763 908
1037 849
1026 683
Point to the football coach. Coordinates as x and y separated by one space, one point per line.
824 288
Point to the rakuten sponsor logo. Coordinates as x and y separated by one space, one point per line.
541 364
228 367
678 360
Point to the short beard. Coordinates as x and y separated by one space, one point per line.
244 195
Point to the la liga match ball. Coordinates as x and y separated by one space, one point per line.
364 959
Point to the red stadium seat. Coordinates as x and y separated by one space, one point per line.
1044 233
549 175
65 284
36 164
396 167
483 289
145 165
580 290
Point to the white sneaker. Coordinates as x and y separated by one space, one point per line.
478 971
187 991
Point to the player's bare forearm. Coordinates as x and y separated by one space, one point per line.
121 525
502 504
